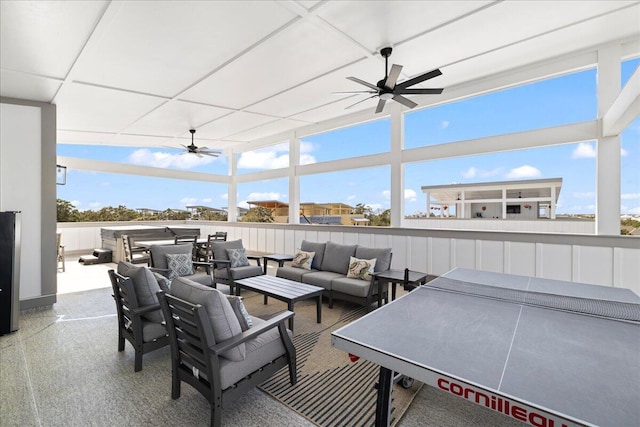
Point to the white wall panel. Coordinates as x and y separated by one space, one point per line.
554 261
463 253
592 265
419 252
441 261
520 258
490 256
627 269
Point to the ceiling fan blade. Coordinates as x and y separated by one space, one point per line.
362 82
418 91
357 91
404 101
210 153
182 145
380 106
420 78
352 105
392 78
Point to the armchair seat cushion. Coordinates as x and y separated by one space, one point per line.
202 278
224 322
239 272
355 287
321 278
260 351
293 273
152 331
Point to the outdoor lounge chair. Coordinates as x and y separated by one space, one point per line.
140 321
227 270
132 254
212 352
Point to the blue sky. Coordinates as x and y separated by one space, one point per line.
558 101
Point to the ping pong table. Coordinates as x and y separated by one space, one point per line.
545 352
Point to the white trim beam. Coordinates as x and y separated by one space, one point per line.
122 168
624 109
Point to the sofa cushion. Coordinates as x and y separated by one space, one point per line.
355 287
179 265
318 249
145 286
292 273
159 253
198 277
382 256
163 282
219 249
238 257
336 257
321 278
303 259
240 272
259 351
224 322
361 268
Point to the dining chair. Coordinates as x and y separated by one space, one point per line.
188 238
134 255
60 250
204 253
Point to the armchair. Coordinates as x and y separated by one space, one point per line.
193 239
132 254
167 260
210 351
227 269
139 316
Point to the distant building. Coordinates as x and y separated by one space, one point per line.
148 211
310 213
196 210
526 199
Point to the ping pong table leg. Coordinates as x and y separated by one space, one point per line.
383 404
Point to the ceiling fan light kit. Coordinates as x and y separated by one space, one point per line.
387 88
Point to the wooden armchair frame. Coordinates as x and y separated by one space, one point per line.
196 360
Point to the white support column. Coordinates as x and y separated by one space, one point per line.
608 148
232 190
504 203
463 207
397 167
294 180
552 205
428 204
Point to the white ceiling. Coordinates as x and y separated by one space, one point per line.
139 73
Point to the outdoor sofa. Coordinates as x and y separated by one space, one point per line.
339 270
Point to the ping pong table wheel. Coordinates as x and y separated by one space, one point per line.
406 382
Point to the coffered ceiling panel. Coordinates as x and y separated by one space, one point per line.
176 118
45 37
294 56
165 47
233 124
271 128
91 108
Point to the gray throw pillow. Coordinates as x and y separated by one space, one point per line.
336 257
179 265
145 286
163 282
224 323
238 257
240 311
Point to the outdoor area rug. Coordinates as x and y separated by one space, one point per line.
331 390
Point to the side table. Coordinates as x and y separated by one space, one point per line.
280 258
408 278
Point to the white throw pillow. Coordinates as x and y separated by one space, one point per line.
303 259
361 268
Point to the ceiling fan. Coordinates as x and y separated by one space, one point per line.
200 151
388 88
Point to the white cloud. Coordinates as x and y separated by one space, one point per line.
584 150
274 157
265 196
524 171
76 203
225 196
351 198
444 124
189 201
630 196
95 205
623 152
207 200
160 159
409 194
474 172
386 194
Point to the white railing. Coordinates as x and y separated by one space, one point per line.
603 260
563 226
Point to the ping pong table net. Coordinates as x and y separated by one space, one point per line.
617 310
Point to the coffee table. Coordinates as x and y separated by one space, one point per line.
283 290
